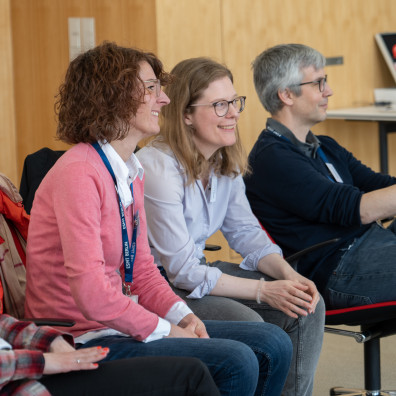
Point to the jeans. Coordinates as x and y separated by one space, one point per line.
366 272
306 333
244 358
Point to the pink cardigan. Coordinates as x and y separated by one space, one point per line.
75 250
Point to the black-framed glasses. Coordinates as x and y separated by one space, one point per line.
154 85
221 107
321 82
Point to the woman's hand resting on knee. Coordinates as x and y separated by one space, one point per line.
189 327
75 360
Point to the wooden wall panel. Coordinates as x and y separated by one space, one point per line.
336 28
41 55
188 28
232 31
235 32
7 108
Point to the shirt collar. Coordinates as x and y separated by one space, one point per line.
125 172
309 148
132 168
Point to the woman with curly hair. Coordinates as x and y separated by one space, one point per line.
88 256
194 188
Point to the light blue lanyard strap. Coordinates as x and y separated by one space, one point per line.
322 155
128 251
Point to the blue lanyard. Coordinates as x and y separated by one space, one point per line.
128 251
335 177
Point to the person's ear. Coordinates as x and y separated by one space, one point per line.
286 96
188 119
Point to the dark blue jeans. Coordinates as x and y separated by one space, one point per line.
366 272
244 358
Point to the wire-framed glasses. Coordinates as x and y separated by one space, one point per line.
221 107
321 82
153 86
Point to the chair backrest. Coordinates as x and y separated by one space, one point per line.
14 222
35 167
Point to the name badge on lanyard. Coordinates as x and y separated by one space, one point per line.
330 166
128 250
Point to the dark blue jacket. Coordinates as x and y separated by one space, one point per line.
294 198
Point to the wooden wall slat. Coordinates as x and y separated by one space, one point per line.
188 28
8 149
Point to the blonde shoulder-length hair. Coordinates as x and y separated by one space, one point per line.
190 78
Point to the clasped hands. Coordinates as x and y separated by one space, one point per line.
293 297
189 327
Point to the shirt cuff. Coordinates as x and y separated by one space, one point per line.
4 344
207 285
178 311
162 330
28 364
250 262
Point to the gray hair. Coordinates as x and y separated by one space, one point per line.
281 67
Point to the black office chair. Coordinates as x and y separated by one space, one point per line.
35 167
376 321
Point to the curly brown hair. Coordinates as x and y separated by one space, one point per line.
102 92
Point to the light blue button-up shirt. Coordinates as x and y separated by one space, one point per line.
181 217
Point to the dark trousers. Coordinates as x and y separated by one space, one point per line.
140 376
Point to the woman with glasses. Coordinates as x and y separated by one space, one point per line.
194 187
88 236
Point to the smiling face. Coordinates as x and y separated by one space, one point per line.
145 122
311 106
211 132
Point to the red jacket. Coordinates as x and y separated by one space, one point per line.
13 218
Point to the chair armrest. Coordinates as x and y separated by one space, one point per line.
51 322
309 249
212 248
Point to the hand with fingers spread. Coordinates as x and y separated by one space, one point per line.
81 359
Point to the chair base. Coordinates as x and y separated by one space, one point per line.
359 392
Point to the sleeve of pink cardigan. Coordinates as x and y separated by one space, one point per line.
80 197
